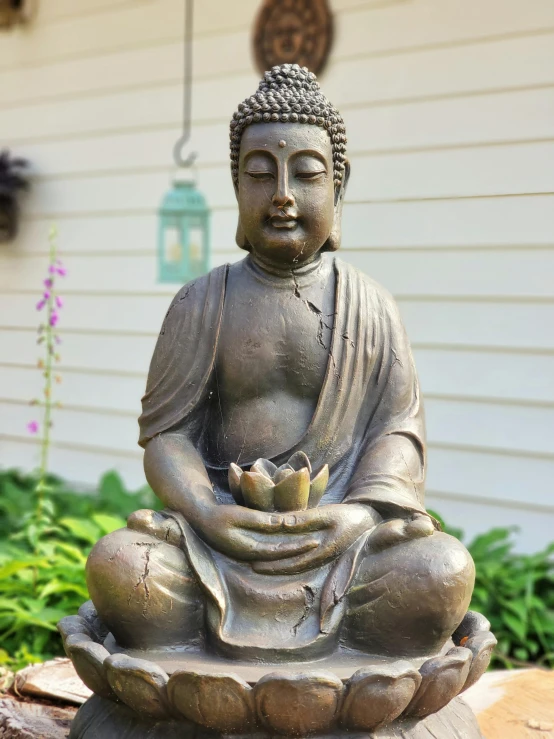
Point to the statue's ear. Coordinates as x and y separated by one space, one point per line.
334 239
241 239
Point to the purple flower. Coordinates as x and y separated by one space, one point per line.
61 271
41 304
46 295
52 269
59 301
54 318
48 283
32 427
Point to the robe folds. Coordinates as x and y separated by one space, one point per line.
368 426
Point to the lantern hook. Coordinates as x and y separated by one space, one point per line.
180 161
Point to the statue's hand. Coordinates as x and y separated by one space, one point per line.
334 527
399 530
249 535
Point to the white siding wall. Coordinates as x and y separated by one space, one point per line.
449 106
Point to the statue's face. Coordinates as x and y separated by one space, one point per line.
285 190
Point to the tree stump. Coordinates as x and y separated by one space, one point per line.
22 720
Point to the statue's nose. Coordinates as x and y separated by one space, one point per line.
282 197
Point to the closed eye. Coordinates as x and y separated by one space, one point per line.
310 175
261 175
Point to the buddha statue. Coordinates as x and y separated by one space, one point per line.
283 431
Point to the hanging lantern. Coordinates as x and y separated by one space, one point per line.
184 234
184 217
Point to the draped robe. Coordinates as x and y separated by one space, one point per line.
368 426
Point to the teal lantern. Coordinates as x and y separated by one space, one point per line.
184 218
184 234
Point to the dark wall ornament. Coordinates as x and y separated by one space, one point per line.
293 32
13 182
15 12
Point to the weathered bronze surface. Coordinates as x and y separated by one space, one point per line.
294 583
293 32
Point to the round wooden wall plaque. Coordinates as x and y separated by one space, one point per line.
293 32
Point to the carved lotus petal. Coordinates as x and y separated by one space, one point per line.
257 491
472 623
292 493
300 460
282 473
318 486
298 704
264 467
220 702
235 473
140 684
88 612
481 646
71 625
442 679
88 660
377 695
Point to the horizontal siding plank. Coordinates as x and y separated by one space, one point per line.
107 393
492 477
81 466
475 517
493 426
125 354
502 428
361 26
517 273
475 323
497 171
527 115
513 63
499 376
374 26
119 433
498 222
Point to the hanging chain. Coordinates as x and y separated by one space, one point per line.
187 91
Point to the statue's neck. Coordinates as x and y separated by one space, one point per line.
301 274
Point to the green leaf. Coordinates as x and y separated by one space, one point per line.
107 523
513 623
86 530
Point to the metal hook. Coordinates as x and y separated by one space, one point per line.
180 161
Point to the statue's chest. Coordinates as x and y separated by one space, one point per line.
275 338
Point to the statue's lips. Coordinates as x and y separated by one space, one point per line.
283 222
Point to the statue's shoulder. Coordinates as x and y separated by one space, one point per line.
201 288
195 297
360 281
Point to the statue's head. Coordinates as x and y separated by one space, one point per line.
289 168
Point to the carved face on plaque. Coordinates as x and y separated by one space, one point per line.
293 32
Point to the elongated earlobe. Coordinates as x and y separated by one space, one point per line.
334 239
241 239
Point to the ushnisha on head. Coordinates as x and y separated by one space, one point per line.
289 168
290 94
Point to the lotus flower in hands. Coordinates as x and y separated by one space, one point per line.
289 487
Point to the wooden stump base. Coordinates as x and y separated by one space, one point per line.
102 717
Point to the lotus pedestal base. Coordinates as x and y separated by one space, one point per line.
102 718
193 694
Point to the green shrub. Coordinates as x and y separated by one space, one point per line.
42 562
516 593
42 566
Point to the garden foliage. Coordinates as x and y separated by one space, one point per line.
42 570
42 560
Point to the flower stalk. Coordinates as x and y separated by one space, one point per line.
50 303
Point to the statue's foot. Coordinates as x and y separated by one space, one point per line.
158 524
